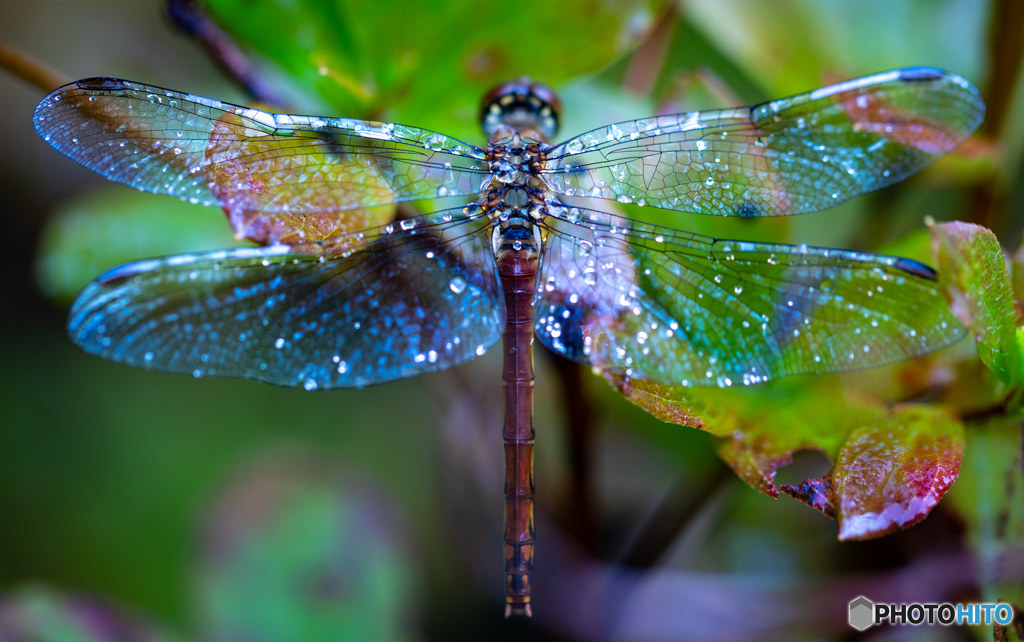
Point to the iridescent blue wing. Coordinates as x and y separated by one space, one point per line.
683 309
253 163
789 156
420 296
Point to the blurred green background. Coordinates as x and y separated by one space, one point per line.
108 474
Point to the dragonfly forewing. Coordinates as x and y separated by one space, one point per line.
417 297
789 156
319 173
684 309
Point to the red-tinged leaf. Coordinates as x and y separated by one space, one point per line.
816 493
761 427
973 273
889 473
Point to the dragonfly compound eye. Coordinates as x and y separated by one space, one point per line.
521 106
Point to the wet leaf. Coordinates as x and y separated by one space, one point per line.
973 273
889 473
989 496
42 615
109 226
296 552
761 427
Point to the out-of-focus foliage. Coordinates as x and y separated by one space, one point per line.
988 496
294 550
38 614
94 232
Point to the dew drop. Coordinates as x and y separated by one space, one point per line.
457 285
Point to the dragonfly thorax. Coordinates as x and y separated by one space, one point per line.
516 235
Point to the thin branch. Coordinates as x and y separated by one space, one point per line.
677 508
30 70
989 199
648 61
190 18
579 512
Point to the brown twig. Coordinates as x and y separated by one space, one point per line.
579 511
647 62
190 18
676 509
31 71
988 200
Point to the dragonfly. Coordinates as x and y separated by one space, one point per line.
337 293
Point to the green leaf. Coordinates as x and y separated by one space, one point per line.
1017 278
889 473
425 63
297 552
113 225
760 427
977 284
39 614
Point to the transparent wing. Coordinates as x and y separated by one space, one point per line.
419 297
683 309
252 163
789 156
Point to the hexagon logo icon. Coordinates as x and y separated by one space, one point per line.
862 613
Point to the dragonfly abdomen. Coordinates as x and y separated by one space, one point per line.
517 266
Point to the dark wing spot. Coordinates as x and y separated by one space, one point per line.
917 269
101 83
920 73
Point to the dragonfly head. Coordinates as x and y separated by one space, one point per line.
522 106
